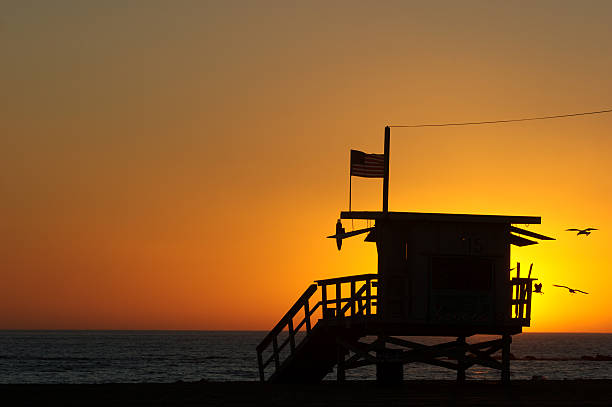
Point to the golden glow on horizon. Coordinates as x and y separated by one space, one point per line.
178 167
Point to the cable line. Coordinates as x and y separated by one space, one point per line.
506 121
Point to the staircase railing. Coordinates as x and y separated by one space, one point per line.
286 322
361 301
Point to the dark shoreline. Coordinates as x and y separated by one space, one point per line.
351 393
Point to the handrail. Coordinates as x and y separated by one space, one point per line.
290 337
306 320
286 321
347 279
290 314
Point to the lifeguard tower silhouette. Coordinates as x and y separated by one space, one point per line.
438 274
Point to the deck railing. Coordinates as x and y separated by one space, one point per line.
347 299
352 296
361 301
520 303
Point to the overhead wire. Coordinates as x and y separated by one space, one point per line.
523 119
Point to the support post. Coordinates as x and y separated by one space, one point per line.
385 208
461 360
380 355
505 372
340 371
387 372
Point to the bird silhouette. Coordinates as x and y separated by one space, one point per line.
571 290
585 232
538 288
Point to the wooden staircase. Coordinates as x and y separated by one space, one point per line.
303 346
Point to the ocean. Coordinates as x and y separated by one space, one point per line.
171 356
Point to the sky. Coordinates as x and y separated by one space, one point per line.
177 165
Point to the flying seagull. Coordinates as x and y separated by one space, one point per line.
585 232
571 290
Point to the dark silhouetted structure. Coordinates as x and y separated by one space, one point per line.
438 274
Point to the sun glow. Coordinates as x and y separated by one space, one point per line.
179 167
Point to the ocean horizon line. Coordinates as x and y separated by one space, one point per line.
2 330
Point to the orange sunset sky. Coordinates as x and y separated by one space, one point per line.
178 164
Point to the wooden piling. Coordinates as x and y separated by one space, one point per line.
461 366
505 371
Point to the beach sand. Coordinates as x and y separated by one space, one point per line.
414 393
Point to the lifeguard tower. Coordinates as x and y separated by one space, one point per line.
438 274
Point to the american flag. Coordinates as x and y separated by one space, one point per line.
367 165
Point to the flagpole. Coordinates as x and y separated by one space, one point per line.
386 178
350 187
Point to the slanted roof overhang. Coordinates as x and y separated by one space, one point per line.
441 217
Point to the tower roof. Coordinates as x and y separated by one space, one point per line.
441 217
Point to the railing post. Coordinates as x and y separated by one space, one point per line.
353 299
307 315
324 300
291 336
275 349
368 297
521 299
528 311
261 367
518 283
338 300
